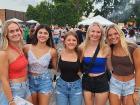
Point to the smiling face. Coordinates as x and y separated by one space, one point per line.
70 42
95 33
14 33
42 35
113 36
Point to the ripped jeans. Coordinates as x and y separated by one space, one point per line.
68 93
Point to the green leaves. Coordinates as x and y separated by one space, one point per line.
62 12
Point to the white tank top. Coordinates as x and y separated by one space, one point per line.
39 65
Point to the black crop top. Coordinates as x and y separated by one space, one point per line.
69 70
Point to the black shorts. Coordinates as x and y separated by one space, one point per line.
95 84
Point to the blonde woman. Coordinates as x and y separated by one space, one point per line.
13 65
94 82
125 81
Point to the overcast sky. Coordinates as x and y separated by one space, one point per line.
19 5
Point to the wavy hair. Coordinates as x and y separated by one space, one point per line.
49 42
5 31
124 43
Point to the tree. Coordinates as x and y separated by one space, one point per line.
62 12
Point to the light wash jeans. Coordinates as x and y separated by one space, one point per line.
18 89
68 93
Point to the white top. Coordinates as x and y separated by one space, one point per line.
131 39
38 65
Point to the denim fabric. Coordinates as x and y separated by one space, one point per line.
68 93
3 99
122 88
41 83
56 39
18 89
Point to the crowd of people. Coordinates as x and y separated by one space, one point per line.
81 68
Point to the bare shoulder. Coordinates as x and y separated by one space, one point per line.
136 52
106 48
53 51
26 47
3 56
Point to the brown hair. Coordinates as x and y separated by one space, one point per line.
72 33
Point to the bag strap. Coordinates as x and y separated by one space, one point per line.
95 55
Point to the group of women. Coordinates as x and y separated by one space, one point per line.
24 69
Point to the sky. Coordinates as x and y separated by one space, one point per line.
19 5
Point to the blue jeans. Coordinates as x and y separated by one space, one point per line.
122 88
18 89
68 93
41 83
3 99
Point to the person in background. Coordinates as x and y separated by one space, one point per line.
56 35
68 85
40 54
125 80
131 37
80 33
31 33
13 65
94 81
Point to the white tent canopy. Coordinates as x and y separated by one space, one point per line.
15 19
32 21
98 19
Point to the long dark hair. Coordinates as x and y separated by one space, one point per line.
49 42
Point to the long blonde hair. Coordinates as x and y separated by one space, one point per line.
4 39
102 41
123 42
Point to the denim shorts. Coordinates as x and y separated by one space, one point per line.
3 99
68 92
20 89
41 83
96 84
122 88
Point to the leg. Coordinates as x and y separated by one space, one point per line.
101 98
30 99
128 100
44 98
114 99
34 98
88 98
61 98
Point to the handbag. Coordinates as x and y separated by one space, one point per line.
86 67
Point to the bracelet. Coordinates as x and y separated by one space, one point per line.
136 90
10 102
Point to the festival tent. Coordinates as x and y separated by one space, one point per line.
98 19
15 19
32 21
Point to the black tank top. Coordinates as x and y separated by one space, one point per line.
69 70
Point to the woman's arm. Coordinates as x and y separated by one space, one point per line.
26 49
136 59
109 64
4 77
54 58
